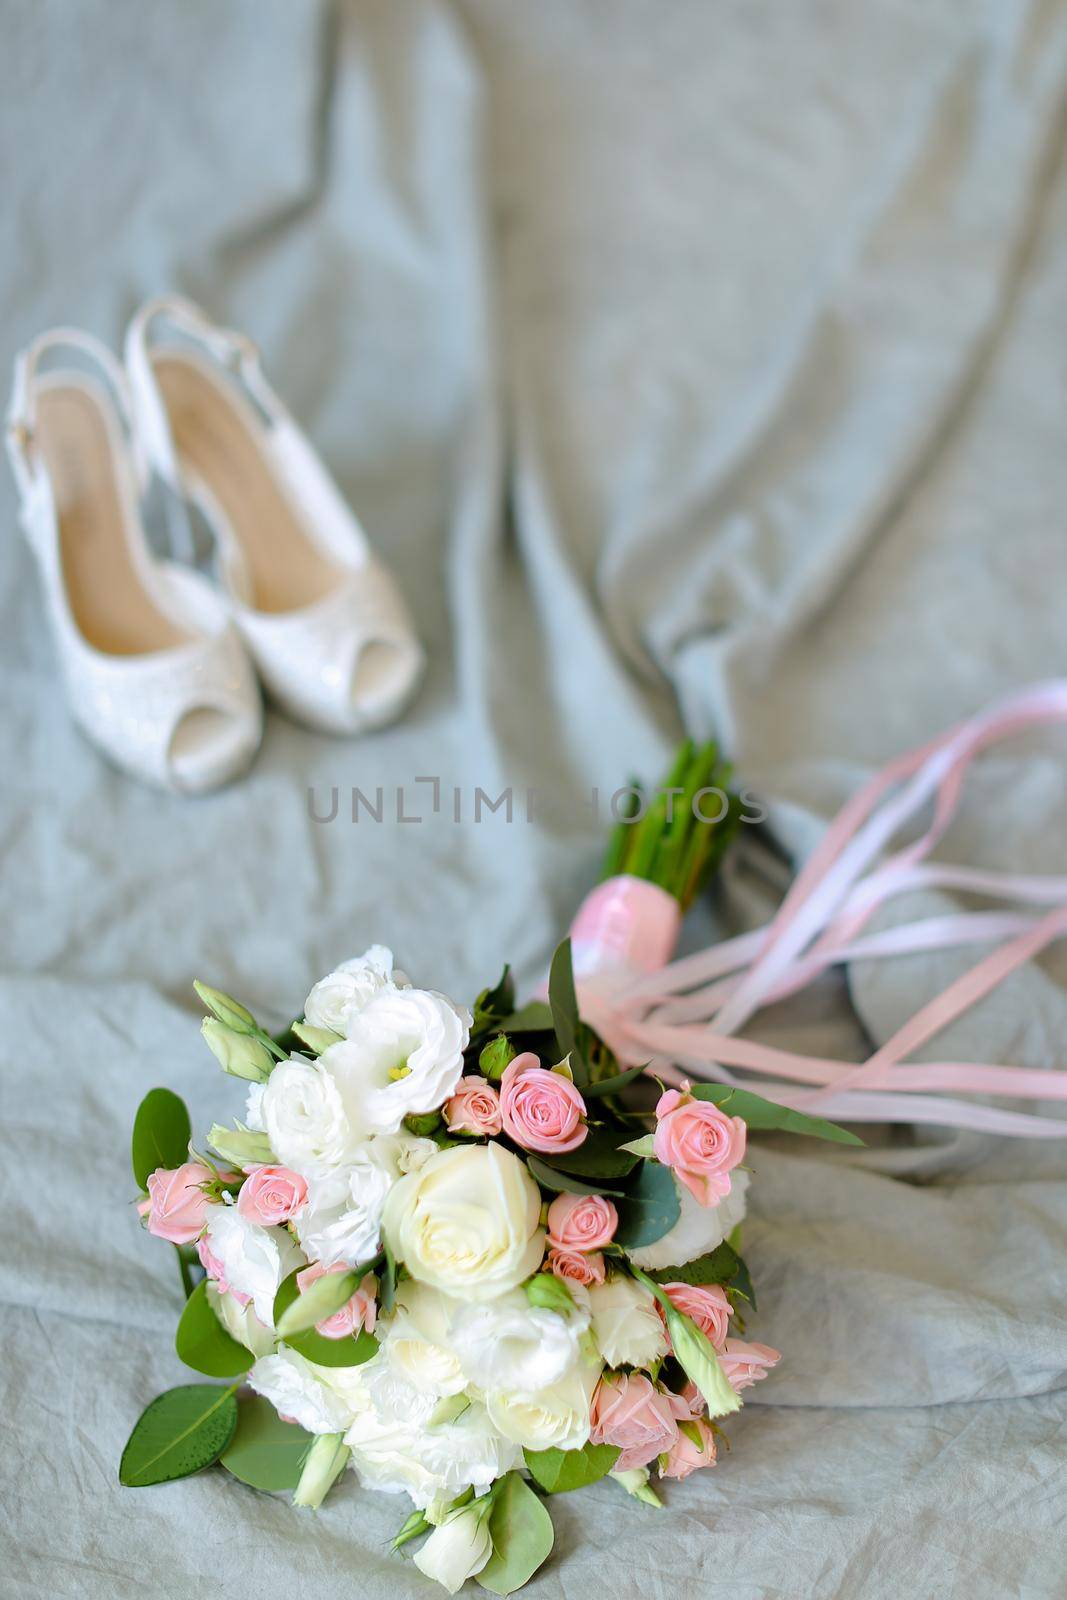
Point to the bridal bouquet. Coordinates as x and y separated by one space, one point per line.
440 1249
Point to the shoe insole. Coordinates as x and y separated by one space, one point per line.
215 442
110 603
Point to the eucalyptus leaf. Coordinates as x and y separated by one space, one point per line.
649 1209
560 1471
182 1431
598 1156
203 1343
718 1266
521 1531
161 1134
265 1452
563 1182
317 1302
767 1116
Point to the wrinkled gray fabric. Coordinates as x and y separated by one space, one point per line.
695 365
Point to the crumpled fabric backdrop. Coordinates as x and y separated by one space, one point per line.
697 365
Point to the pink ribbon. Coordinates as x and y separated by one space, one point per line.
685 1015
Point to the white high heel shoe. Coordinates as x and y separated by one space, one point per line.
154 672
322 618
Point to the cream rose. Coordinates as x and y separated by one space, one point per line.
554 1418
467 1223
342 1219
626 1324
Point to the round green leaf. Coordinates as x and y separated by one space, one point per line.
559 1471
599 1155
265 1452
521 1530
203 1343
650 1209
161 1134
180 1432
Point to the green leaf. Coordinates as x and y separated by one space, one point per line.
598 1156
315 1346
766 1115
387 1281
559 1471
563 1183
563 1003
317 1302
521 1531
650 1209
161 1134
265 1452
180 1432
741 1283
493 1004
203 1343
534 1017
612 1085
718 1266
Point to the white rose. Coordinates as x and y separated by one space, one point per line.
240 1322
508 1343
403 1057
458 1549
556 1418
343 1216
341 995
698 1229
254 1260
396 1446
626 1324
305 1118
467 1223
416 1340
299 1389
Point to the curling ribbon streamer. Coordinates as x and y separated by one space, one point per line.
685 1014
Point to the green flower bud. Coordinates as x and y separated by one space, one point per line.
237 1053
496 1055
228 1010
423 1126
316 1039
636 1483
240 1145
549 1293
323 1465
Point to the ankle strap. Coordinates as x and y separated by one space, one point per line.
21 431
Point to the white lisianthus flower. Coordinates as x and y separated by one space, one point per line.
254 1108
240 1322
468 1222
343 1216
302 1391
508 1343
554 1418
396 1446
417 1343
698 1229
626 1325
458 1549
254 1260
305 1118
342 994
403 1057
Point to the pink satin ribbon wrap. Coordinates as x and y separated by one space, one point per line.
684 1015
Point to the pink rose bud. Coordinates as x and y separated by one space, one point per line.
359 1312
581 1222
540 1110
577 1266
745 1364
178 1206
700 1142
629 1411
271 1195
708 1307
686 1456
474 1108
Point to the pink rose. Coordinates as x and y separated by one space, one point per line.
216 1272
474 1108
581 1222
540 1110
745 1364
271 1195
708 1307
686 1456
577 1266
700 1143
693 1399
359 1312
628 1410
177 1205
